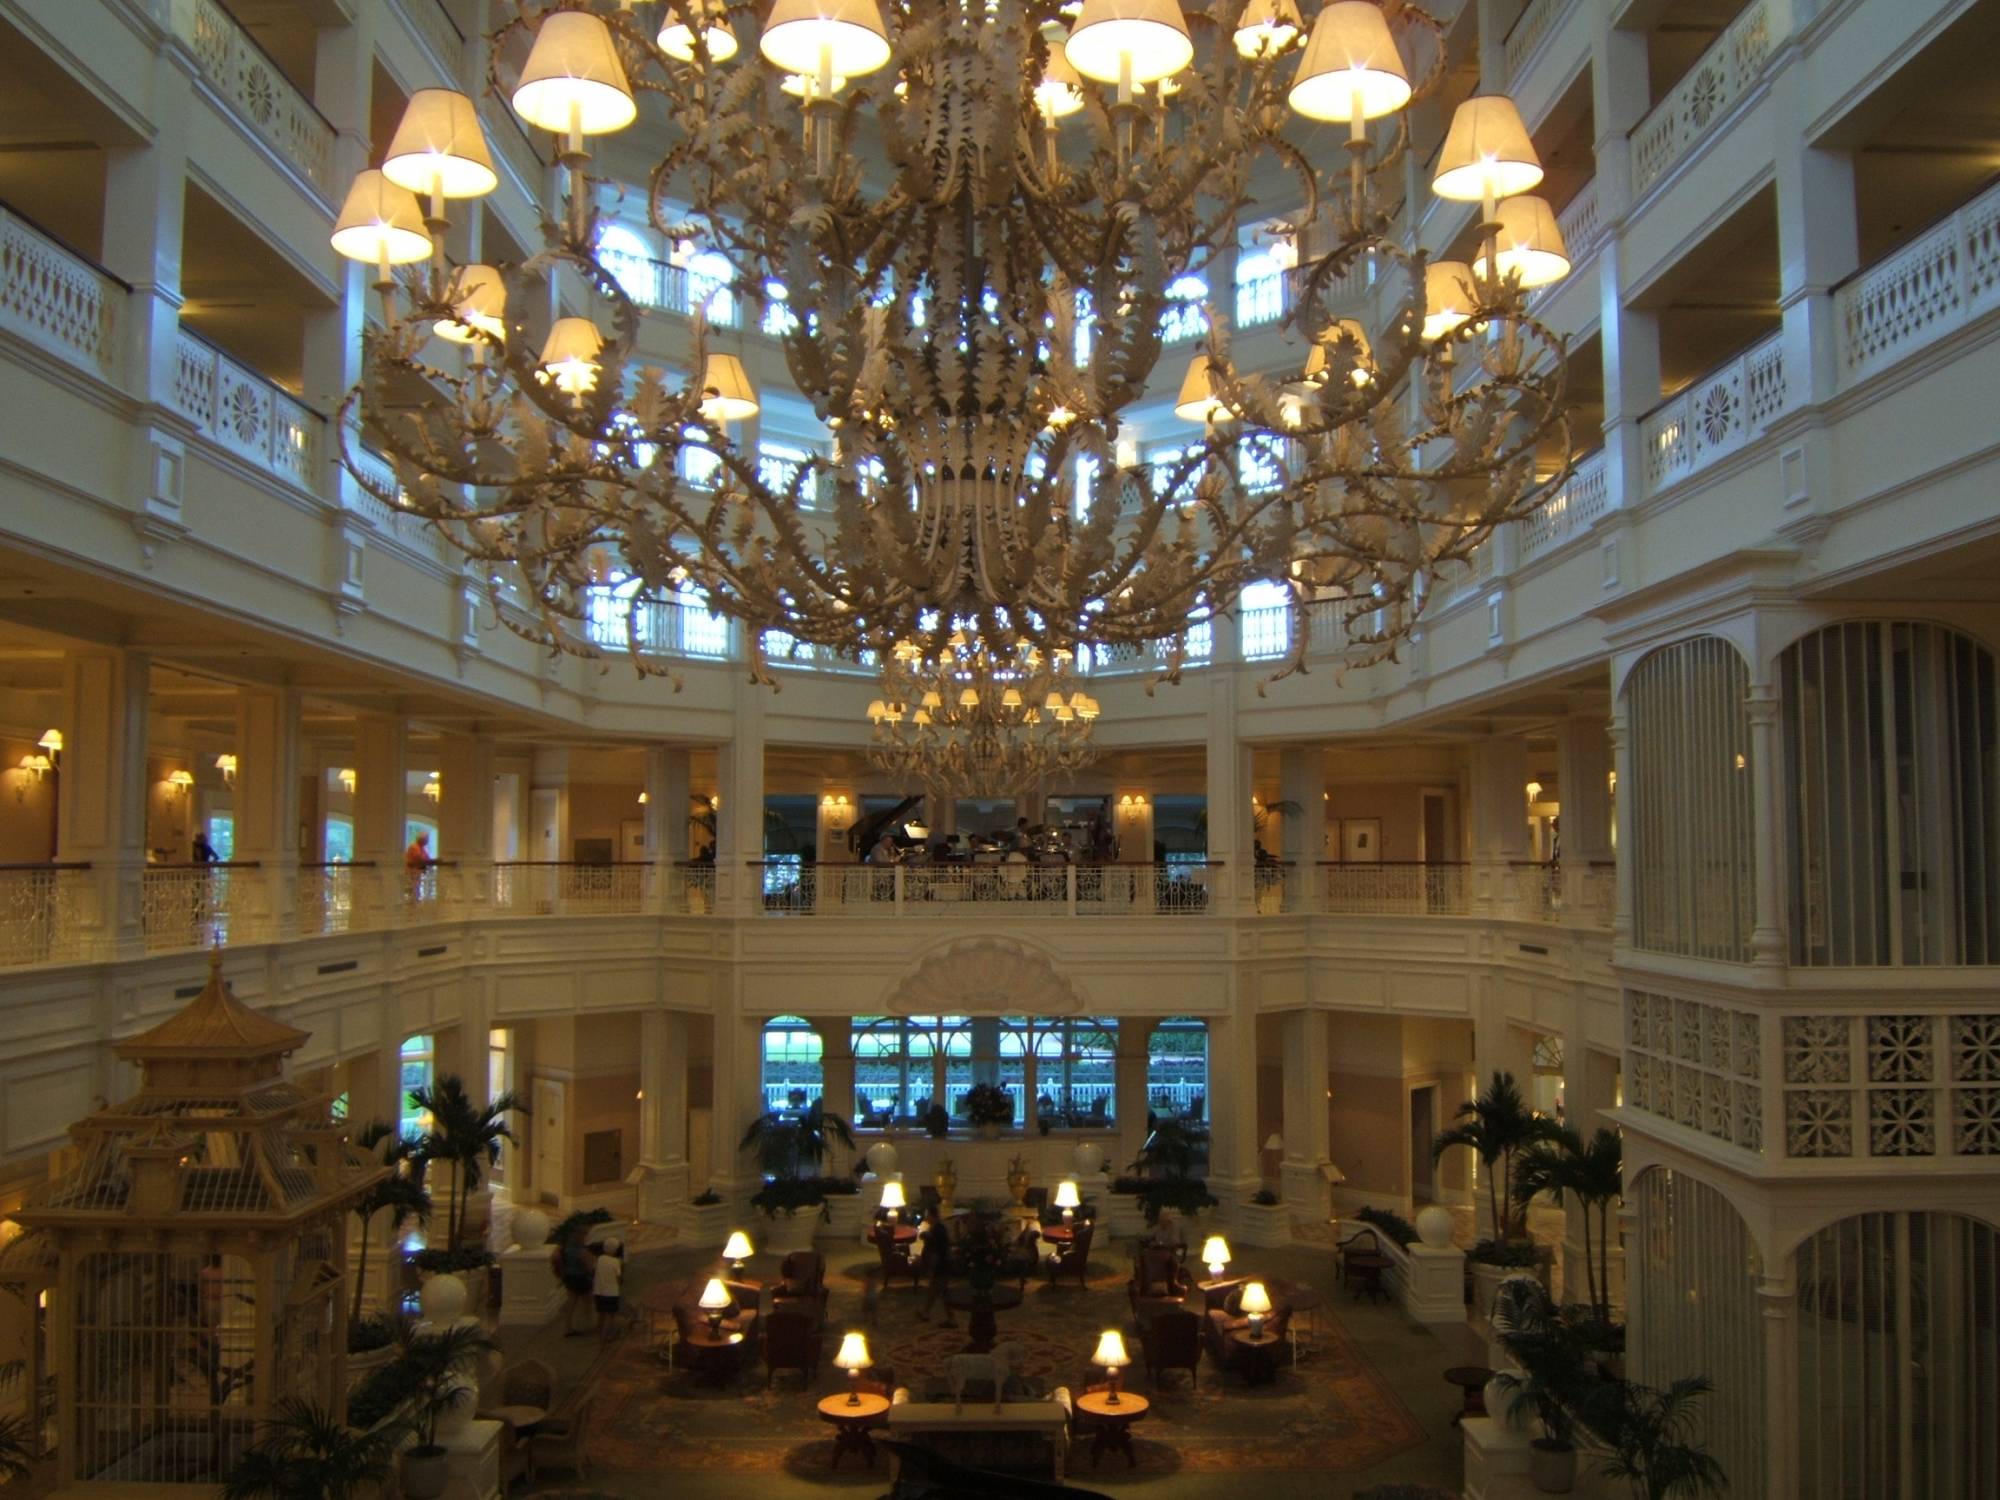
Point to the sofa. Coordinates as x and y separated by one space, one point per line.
1027 1434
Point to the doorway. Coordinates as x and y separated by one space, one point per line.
1432 846
1423 1126
545 803
551 1132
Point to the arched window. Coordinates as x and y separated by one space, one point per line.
710 279
1177 1069
1076 1066
986 1049
793 1075
894 1068
1893 833
417 1068
1185 317
629 259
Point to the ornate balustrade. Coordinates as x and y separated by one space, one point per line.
1571 511
41 912
1715 415
1580 225
544 888
184 907
1019 889
1533 24
257 91
56 299
1397 889
245 413
1707 92
1938 282
439 33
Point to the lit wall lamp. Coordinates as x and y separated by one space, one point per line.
33 768
643 799
345 776
226 764
182 782
1534 790
434 786
52 743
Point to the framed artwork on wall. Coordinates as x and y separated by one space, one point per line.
1361 841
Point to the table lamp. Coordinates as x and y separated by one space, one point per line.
1215 1251
853 1358
1068 1199
714 1298
1111 1354
1256 1305
737 1251
893 1200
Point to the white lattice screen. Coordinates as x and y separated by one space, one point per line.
1899 1359
1690 810
1893 827
1694 1311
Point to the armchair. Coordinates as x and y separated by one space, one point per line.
558 1443
1171 1340
526 1382
792 1341
896 1259
1024 1256
1073 1260
802 1283
1158 1279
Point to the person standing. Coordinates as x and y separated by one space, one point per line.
607 1287
578 1276
935 1264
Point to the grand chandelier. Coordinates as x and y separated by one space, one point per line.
973 211
978 720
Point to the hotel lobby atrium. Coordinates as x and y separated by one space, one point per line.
1035 748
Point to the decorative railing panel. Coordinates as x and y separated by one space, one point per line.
41 911
1570 511
1260 300
243 75
1581 228
184 907
245 413
1715 415
1708 91
570 889
439 34
1938 282
56 299
1414 890
1019 890
1530 27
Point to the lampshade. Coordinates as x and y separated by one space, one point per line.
479 299
1267 27
714 1296
1530 243
1111 1350
1276 1142
1350 62
181 779
1197 401
51 740
573 78
1061 90
1256 1301
1486 152
440 148
738 1247
1066 1194
570 355
1150 37
805 85
892 1195
380 223
1215 1251
1447 299
727 393
847 34
1317 358
853 1353
676 39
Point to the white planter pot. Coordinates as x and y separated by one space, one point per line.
848 1215
1552 1467
1263 1224
708 1225
1123 1217
788 1231
1486 1281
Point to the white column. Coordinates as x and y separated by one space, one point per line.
267 803
738 1092
1767 930
465 817
1302 770
343 91
1129 1079
1308 1141
1499 820
1583 769
740 821
1621 815
1630 339
1777 1298
663 1114
101 794
1233 886
667 800
1818 241
381 800
1234 1170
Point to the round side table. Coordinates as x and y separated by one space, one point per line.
1260 1355
851 1417
1114 1423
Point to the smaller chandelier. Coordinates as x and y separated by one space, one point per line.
973 721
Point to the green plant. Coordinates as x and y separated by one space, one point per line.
1496 1126
302 1453
1391 1223
18 1448
1558 1377
1593 1172
789 1195
1516 1255
439 1261
465 1136
787 1145
441 1372
987 1104
1184 1195
1264 1198
365 1335
937 1122
379 1396
590 1218
401 1194
706 1198
1172 1148
1654 1438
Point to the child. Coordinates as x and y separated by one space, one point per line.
608 1280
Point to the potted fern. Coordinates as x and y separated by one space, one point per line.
791 1150
440 1371
302 1451
989 1108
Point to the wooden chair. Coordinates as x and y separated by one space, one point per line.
792 1342
527 1382
1024 1256
896 1259
1361 1242
513 1458
1157 1278
802 1282
1171 1340
1073 1259
559 1443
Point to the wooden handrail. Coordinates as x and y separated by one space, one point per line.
45 864
1400 864
338 864
209 864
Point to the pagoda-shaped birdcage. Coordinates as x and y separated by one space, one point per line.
200 1252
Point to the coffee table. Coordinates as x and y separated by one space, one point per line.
981 1329
1260 1355
1471 1382
1114 1423
851 1417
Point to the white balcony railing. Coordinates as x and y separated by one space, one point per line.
256 91
1708 91
1530 27
1571 511
41 909
57 300
548 889
1403 890
1715 415
245 413
1938 282
1018 890
1581 228
439 34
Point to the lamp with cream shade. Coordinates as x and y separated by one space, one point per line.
1486 155
1110 1353
573 84
714 1301
727 395
1318 363
1351 69
677 37
1197 401
380 224
824 38
853 1358
1256 1305
569 355
737 1250
478 300
1447 296
439 149
893 1202
1068 1199
1267 27
1129 42
1528 243
1060 92
1215 1255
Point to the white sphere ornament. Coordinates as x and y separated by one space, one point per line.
1088 1157
531 1228
443 1300
1434 1226
881 1158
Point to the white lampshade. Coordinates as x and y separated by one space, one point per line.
1197 401
380 223
714 1296
727 395
570 355
1276 1142
676 39
1350 62
440 148
1150 37
853 1353
1317 359
1447 299
1530 242
846 34
1486 152
1111 1350
892 1195
479 300
1267 27
738 1247
1256 1301
51 739
1066 1194
573 78
1061 91
1215 1253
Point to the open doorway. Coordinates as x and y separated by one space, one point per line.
1433 848
1423 1126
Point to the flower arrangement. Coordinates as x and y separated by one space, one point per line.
987 1104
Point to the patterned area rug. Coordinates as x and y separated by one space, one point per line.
1333 1411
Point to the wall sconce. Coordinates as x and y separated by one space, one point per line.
1132 800
51 742
345 776
226 764
1534 790
643 799
434 786
33 768
182 782
1611 782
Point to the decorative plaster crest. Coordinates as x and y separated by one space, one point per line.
984 977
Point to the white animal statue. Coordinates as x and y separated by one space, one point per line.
961 1369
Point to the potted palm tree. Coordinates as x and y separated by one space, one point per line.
1593 1171
1497 1126
466 1137
400 1195
1653 1438
1554 1381
301 1451
439 1369
790 1150
18 1448
989 1108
